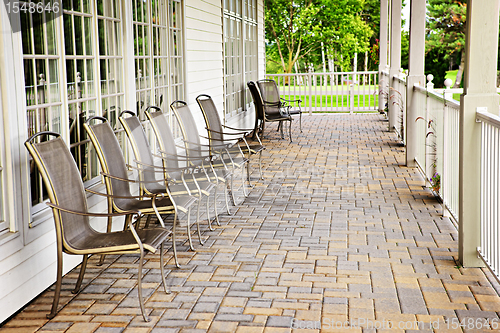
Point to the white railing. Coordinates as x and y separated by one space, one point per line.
398 99
437 136
490 190
450 157
437 144
331 92
384 90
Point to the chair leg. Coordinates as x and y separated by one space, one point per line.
162 269
290 130
215 208
226 195
57 291
248 172
300 122
139 287
243 180
189 230
260 165
198 221
174 247
233 195
280 126
216 212
82 273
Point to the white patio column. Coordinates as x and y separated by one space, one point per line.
481 44
395 60
415 76
382 66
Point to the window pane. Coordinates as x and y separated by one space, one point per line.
78 35
68 36
26 33
38 35
88 36
102 37
100 7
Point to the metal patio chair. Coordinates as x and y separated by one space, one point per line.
219 132
170 168
193 147
114 170
267 114
274 104
74 234
217 137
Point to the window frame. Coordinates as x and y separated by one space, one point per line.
236 15
122 58
4 224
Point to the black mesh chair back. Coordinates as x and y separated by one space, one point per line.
257 100
211 116
108 150
164 135
65 188
258 105
269 91
270 98
188 126
140 146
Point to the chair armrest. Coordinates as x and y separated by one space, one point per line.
162 169
228 143
239 129
117 196
181 158
57 207
226 133
291 100
196 144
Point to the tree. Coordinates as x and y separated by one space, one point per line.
295 30
446 31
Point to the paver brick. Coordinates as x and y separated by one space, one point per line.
337 230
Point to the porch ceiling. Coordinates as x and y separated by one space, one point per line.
338 230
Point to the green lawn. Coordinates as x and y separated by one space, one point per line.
451 75
335 101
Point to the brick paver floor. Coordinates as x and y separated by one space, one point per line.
339 232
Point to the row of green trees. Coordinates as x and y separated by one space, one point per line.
304 32
329 33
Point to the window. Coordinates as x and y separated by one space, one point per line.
240 52
158 51
74 64
176 50
41 74
2 204
233 54
112 90
85 79
142 53
3 223
250 23
80 62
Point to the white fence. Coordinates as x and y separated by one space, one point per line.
490 190
437 155
437 139
397 97
331 92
